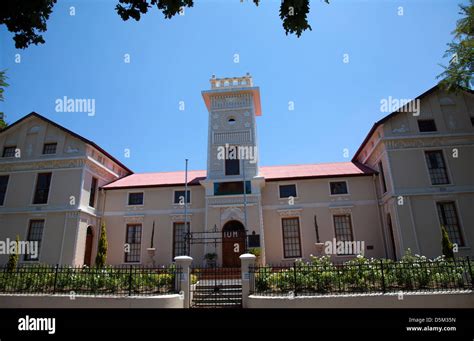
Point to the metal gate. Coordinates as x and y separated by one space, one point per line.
216 287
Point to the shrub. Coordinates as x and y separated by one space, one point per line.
447 246
13 258
101 257
360 274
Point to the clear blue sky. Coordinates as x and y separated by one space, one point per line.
137 104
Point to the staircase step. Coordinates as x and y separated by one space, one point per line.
213 304
217 297
208 287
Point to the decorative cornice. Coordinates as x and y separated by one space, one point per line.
100 170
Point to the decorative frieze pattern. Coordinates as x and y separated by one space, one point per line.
134 219
39 165
294 212
340 210
179 217
230 102
232 137
237 200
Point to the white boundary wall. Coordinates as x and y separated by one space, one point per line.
447 299
65 301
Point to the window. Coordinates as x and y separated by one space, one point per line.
49 148
343 228
3 188
472 121
231 188
9 151
338 187
231 121
35 234
382 177
134 241
291 237
179 197
135 198
179 239
92 192
448 218
437 167
287 191
232 166
426 126
43 182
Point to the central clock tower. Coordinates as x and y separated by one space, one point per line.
233 184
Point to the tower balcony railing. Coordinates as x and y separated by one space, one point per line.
231 82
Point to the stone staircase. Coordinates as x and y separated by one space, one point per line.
217 294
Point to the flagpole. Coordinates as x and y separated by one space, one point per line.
245 201
186 207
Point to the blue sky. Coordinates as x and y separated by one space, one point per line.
137 104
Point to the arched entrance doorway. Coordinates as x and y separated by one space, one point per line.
233 243
88 248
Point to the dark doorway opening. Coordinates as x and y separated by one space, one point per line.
88 249
233 243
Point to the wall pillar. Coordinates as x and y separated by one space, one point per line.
247 260
184 264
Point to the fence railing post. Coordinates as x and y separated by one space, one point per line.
383 277
470 271
130 281
247 260
55 278
183 264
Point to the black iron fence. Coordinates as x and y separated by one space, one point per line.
121 281
368 276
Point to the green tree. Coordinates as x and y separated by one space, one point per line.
26 19
102 250
458 73
3 85
446 244
293 13
13 258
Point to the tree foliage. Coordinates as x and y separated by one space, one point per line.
458 73
3 84
293 13
446 244
101 257
13 258
27 19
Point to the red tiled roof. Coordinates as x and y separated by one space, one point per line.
271 173
317 170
